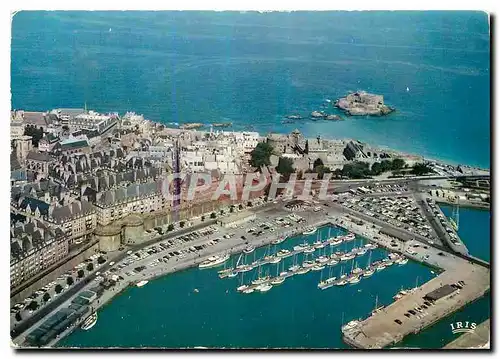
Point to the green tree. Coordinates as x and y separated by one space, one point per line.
420 169
101 260
181 224
321 170
46 297
170 227
231 209
356 170
58 288
240 206
202 218
80 273
18 316
260 156
90 267
33 305
397 164
213 215
285 167
318 162
70 280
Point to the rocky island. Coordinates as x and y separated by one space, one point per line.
362 103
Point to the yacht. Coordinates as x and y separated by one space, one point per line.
244 268
283 274
242 288
361 252
317 267
324 284
232 274
336 241
214 261
403 261
259 281
248 291
380 266
318 244
310 230
393 256
322 259
355 279
357 270
282 253
142 283
225 272
301 247
275 260
307 264
349 237
303 270
278 240
294 268
371 246
347 257
351 325
249 249
341 282
309 250
264 287
333 262
90 321
278 280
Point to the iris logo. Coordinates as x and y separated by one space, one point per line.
463 327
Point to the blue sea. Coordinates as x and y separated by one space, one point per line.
252 69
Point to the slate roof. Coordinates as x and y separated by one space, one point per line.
38 156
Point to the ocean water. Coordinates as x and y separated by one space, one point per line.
252 69
168 313
474 229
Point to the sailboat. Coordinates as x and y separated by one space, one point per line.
377 309
342 279
369 269
407 89
279 278
242 286
294 268
354 277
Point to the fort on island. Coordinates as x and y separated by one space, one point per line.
89 216
362 103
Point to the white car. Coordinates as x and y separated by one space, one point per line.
129 252
111 264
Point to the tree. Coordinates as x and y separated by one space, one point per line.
46 297
337 173
170 227
231 209
397 164
80 273
285 167
35 133
321 170
249 204
18 316
202 218
420 169
90 267
181 224
240 206
221 212
58 288
101 260
260 156
33 305
318 162
213 215
356 170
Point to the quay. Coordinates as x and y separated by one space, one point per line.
461 282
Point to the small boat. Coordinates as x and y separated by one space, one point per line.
341 282
283 274
322 259
357 270
310 230
301 247
264 287
318 244
403 261
196 290
275 260
278 240
232 274
303 270
277 280
347 257
309 250
214 261
142 283
355 279
349 237
361 252
336 241
294 268
380 266
317 267
333 262
248 291
282 253
90 321
248 249
307 264
394 256
241 288
244 268
260 280
225 272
